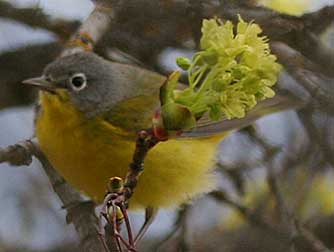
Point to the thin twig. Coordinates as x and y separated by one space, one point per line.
305 116
246 212
179 224
145 141
306 74
294 227
314 242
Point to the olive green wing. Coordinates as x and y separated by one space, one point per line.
138 105
133 114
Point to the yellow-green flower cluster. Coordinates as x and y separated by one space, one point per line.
231 73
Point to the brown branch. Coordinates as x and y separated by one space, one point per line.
145 141
179 225
18 154
307 236
36 18
283 211
276 24
21 64
313 48
305 116
295 229
79 211
93 28
247 213
270 152
306 74
319 20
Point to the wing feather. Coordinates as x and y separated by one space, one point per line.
280 102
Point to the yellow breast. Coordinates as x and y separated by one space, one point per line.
88 152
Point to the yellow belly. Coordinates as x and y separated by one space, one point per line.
88 152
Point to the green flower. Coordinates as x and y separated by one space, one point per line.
227 77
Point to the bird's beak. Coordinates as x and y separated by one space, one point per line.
41 83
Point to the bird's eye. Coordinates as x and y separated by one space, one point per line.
78 81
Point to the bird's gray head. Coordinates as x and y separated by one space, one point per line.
86 77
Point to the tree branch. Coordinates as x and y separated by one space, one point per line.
36 18
79 211
305 73
16 66
93 28
295 229
319 20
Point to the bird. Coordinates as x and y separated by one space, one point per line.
90 112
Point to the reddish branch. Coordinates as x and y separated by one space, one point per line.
145 141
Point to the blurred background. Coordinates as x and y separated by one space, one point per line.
294 147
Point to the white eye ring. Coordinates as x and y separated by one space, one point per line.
78 81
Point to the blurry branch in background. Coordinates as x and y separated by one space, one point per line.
251 216
306 74
300 33
318 136
36 18
13 247
289 226
287 217
79 212
17 66
180 227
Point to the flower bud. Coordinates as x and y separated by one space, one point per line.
183 63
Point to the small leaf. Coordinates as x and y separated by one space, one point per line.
177 117
183 63
167 89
